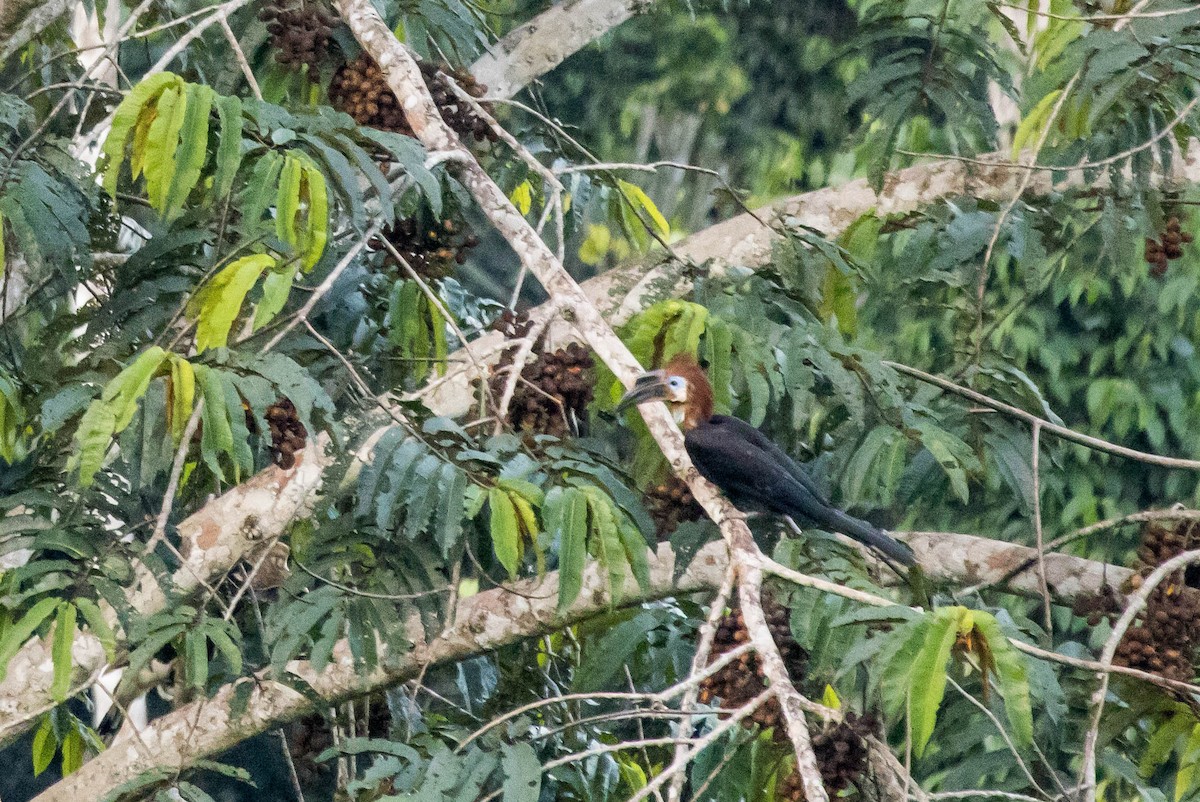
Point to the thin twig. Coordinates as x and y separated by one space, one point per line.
1043 585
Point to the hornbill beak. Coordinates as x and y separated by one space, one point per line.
648 387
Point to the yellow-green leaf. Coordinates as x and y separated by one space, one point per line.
928 679
192 150
183 396
277 286
1035 121
72 751
287 200
506 534
64 638
111 413
315 194
132 110
640 200
522 197
218 303
162 144
45 746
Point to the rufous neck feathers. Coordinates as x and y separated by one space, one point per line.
698 407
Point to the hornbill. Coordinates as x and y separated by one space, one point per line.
744 463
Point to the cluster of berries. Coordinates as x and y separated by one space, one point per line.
555 388
299 32
432 251
1165 636
743 679
359 89
670 504
841 751
288 434
1168 246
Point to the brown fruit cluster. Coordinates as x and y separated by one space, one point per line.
306 739
670 504
841 752
742 680
1168 246
359 89
432 251
457 113
299 32
288 434
1163 639
553 394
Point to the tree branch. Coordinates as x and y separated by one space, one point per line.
486 621
547 40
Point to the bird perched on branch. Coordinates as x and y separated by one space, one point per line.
744 463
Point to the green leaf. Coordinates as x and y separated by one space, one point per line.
277 286
260 190
192 150
15 636
218 303
131 109
640 200
112 412
195 650
951 453
219 635
229 148
1012 677
217 437
162 144
45 746
522 773
64 638
572 550
928 679
606 542
506 535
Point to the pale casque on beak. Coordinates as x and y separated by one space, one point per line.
648 387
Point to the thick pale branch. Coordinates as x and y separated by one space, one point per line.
483 622
744 241
213 540
547 40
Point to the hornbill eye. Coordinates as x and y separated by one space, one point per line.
675 383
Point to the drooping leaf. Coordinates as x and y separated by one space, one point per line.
218 303
131 110
506 533
1011 675
928 678
572 550
64 638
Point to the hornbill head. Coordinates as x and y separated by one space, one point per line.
681 384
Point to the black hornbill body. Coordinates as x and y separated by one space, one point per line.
750 469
